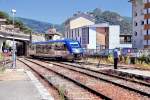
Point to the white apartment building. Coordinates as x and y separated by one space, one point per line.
97 36
81 27
141 23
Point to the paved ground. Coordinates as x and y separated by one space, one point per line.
15 85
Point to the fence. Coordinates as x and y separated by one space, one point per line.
106 52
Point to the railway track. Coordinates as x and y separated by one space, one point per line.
113 73
62 80
108 74
130 84
97 83
43 80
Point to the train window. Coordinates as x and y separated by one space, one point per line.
60 46
31 47
45 49
65 47
49 46
39 48
74 44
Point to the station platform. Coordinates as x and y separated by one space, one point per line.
126 70
134 73
19 84
143 73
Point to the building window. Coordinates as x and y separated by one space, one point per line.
142 13
145 1
106 29
134 42
135 14
136 24
148 10
148 22
72 33
142 22
141 32
78 32
85 35
147 32
66 35
135 33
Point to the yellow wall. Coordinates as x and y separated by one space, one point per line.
80 22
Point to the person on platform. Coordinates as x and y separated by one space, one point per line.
115 54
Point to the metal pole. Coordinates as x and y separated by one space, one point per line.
14 55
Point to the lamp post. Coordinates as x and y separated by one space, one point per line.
13 53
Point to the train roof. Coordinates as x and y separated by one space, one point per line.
51 41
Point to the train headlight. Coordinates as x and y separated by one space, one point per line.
76 50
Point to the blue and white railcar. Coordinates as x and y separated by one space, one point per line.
65 49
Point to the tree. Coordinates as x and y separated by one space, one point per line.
4 15
97 12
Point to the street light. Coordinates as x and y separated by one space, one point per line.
13 53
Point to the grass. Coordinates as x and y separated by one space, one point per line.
143 66
110 61
2 68
1 57
62 92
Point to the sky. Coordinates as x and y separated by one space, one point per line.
57 11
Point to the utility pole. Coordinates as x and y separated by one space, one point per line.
14 47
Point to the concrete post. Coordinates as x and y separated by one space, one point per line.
1 44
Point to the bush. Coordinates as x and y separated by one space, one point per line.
145 59
110 59
1 57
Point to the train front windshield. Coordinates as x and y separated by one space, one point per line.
74 44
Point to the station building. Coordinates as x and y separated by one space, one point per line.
82 27
21 40
52 34
141 23
2 22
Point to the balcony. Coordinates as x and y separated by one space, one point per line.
147 5
122 42
147 46
147 16
146 26
128 45
146 37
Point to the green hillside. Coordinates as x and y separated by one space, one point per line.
114 19
18 23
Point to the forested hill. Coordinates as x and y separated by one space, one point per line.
114 19
39 26
100 16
